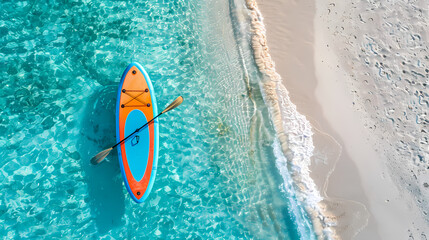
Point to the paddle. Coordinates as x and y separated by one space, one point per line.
101 155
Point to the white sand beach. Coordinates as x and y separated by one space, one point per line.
322 50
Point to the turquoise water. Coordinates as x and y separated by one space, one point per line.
61 63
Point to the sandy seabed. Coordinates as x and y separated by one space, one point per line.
359 73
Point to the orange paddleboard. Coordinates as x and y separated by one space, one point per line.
138 155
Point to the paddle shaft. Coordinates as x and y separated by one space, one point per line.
138 129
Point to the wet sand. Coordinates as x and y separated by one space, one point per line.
359 190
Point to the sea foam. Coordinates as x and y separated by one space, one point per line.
294 148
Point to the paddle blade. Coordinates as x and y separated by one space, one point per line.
174 104
100 156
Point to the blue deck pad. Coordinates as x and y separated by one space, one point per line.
137 147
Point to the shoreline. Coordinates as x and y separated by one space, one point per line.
294 58
348 170
293 131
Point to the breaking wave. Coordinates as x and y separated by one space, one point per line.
294 147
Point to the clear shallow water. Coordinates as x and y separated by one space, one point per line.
217 174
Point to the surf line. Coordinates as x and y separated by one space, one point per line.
297 149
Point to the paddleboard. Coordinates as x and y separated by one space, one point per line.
138 155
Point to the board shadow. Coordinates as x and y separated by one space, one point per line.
105 189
